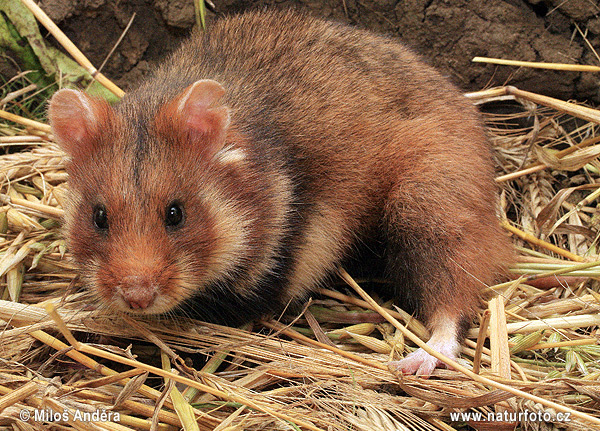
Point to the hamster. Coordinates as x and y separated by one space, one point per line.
264 152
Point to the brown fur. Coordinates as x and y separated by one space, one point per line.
325 138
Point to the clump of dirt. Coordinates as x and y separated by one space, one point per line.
448 33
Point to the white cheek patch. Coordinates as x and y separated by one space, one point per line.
230 155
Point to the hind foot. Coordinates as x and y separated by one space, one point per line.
422 363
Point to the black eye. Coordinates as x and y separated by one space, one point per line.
100 217
174 215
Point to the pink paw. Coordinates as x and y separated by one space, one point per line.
418 362
422 363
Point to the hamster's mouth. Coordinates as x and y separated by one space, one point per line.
148 299
136 298
143 287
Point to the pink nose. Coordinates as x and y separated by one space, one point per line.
138 292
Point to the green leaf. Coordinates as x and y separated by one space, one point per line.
19 34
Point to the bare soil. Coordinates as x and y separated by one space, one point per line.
448 33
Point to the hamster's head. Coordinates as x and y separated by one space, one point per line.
149 219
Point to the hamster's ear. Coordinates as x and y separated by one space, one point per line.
197 117
76 119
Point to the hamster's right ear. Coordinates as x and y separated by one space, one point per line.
196 117
76 119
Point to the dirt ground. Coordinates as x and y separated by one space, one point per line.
448 33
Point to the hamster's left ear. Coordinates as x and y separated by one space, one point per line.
76 120
196 117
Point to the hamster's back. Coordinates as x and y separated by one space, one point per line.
338 101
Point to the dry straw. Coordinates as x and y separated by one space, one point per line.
535 348
538 65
